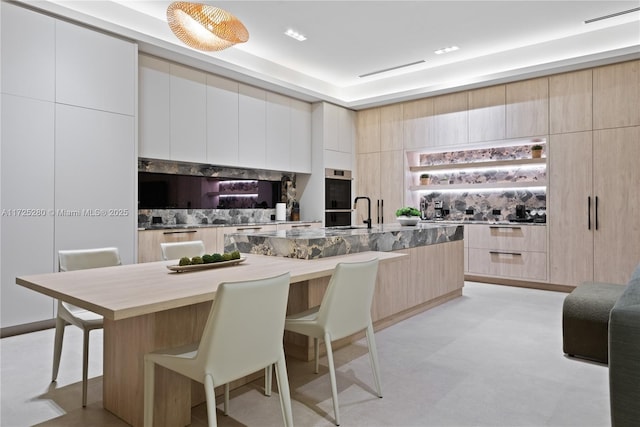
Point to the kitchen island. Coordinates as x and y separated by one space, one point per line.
431 273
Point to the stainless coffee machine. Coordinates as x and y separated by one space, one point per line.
439 214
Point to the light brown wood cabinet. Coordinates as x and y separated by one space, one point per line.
451 119
527 108
509 251
487 114
570 102
418 124
368 131
391 127
616 95
380 176
149 240
593 201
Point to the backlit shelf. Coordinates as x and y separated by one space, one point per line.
479 165
472 187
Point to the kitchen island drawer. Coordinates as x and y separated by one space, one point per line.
512 264
508 237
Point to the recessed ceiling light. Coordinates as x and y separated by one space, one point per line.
446 50
295 35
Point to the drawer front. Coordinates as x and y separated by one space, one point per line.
508 237
512 264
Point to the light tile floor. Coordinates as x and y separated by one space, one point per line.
490 358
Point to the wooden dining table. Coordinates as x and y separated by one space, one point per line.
147 307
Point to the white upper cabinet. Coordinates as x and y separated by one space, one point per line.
94 70
338 135
188 114
154 116
28 57
253 124
300 136
192 116
278 132
222 121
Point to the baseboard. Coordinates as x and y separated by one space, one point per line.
520 283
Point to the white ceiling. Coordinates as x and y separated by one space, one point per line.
499 41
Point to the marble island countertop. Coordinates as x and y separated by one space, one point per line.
480 222
327 242
237 224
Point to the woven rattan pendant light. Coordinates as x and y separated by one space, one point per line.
205 27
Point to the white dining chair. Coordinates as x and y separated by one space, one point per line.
345 310
177 250
243 334
69 260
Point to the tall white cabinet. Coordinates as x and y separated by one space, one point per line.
68 154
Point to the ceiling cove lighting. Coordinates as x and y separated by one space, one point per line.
446 50
295 35
205 27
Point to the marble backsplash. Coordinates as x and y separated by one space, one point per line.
193 217
485 204
187 217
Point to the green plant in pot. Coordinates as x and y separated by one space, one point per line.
536 151
408 215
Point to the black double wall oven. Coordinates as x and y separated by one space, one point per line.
338 200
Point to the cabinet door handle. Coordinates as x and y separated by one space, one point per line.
589 213
505 226
381 212
301 226
180 232
248 228
378 211
505 253
596 212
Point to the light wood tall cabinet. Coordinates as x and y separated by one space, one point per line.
368 131
379 165
391 127
527 108
593 221
570 102
616 95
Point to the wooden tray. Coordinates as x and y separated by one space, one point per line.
196 267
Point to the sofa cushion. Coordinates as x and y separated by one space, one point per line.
624 357
636 273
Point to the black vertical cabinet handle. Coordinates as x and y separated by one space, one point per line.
596 212
589 212
378 211
381 210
